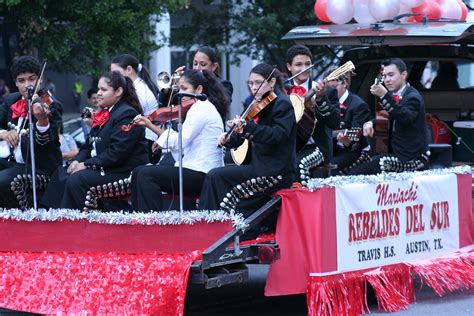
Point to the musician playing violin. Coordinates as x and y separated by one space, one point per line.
13 123
318 148
202 126
272 135
109 154
408 141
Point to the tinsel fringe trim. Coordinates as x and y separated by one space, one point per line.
125 218
335 181
346 293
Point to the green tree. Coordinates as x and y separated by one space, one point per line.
78 36
260 24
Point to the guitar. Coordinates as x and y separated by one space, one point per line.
241 154
353 134
304 107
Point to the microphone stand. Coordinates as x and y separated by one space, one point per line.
32 149
180 153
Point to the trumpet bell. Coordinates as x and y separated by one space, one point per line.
165 80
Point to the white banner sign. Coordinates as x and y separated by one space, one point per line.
398 221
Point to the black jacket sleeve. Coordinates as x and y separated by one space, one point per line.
121 144
327 109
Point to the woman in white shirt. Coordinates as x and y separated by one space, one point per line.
147 91
201 128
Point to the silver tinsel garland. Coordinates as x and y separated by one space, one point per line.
337 181
124 218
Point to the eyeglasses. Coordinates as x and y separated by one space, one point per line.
254 83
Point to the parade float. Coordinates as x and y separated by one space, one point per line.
333 238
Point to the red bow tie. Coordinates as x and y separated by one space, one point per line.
343 109
397 98
299 90
19 109
100 118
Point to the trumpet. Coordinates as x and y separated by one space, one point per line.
165 80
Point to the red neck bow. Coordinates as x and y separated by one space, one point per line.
299 90
397 98
100 118
19 109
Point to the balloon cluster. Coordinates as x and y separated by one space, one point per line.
370 11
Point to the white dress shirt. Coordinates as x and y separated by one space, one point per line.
148 102
201 129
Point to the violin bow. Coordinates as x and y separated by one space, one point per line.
35 90
250 107
38 82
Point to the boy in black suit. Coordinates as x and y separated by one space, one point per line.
408 141
349 151
316 150
16 159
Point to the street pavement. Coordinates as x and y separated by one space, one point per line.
248 299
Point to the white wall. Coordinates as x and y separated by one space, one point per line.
161 58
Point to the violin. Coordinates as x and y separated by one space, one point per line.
253 109
258 106
46 99
165 114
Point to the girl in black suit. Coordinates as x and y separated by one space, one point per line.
109 153
272 135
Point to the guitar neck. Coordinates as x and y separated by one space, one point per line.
353 133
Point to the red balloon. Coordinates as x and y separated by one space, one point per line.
463 10
430 7
320 10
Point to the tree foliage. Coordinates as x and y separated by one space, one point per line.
258 26
78 36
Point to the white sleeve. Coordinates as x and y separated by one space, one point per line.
42 129
192 126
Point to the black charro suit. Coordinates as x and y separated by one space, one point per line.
319 149
354 113
408 139
117 154
46 145
327 116
273 154
408 134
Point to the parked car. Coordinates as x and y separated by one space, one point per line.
74 128
427 49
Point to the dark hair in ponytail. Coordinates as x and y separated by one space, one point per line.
212 87
125 60
117 80
265 70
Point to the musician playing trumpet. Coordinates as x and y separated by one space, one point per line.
317 148
16 159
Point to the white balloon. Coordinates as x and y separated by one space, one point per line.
340 11
411 3
361 12
383 9
450 9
